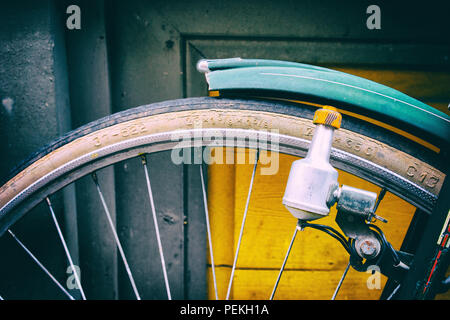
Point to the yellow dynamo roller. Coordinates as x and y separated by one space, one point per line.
328 115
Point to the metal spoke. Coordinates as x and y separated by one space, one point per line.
155 221
116 237
393 292
284 262
242 226
41 265
66 249
379 198
205 203
340 281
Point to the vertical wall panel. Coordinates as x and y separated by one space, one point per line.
34 110
90 100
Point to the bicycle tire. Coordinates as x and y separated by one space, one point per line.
371 152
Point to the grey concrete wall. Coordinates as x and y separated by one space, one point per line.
34 110
33 82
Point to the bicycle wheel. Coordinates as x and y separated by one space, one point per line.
403 167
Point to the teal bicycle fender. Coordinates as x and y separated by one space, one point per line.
341 89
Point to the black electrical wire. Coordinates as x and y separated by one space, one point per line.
322 226
330 231
347 243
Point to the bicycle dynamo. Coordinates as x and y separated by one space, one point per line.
312 189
